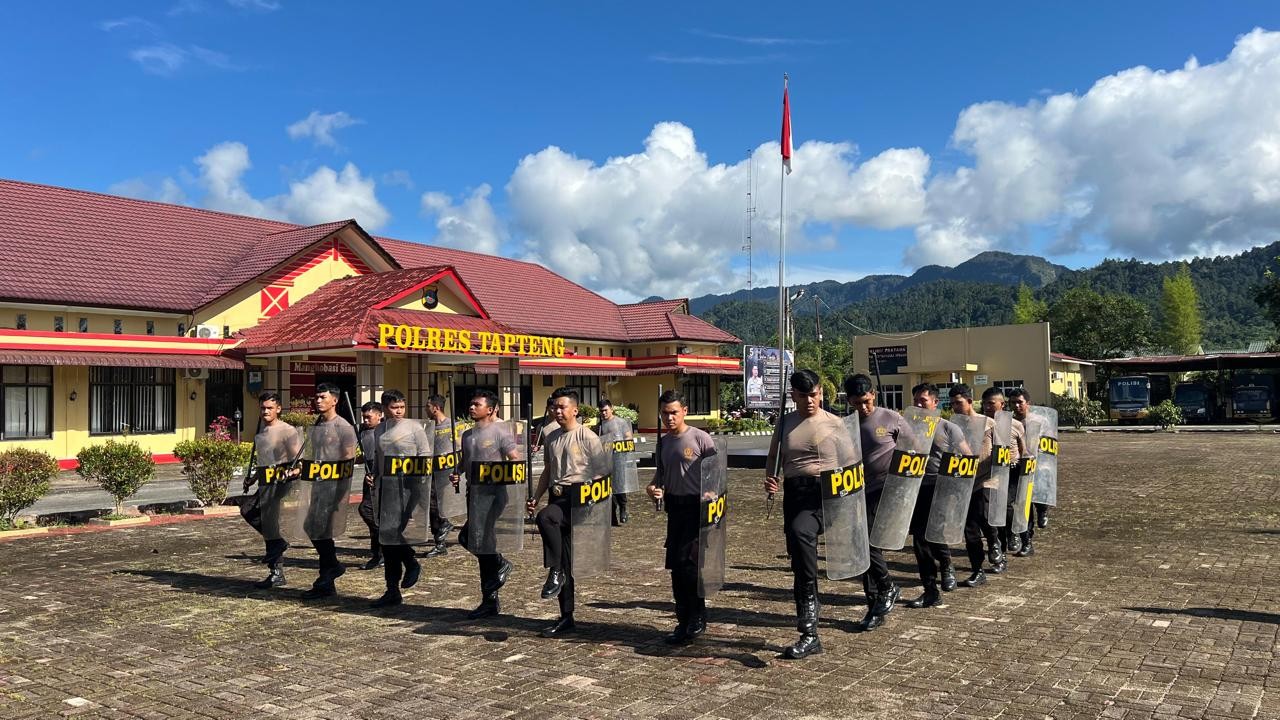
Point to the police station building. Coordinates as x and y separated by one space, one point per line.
126 316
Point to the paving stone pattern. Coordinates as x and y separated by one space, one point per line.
1153 594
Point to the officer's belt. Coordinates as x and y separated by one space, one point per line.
681 501
802 481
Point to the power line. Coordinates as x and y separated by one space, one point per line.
873 333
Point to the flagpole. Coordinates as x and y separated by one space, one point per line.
782 252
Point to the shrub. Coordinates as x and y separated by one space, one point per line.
626 413
587 412
209 464
716 424
1077 413
24 479
300 420
120 468
1166 414
749 425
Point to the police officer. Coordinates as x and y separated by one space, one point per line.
329 425
677 481
614 429
401 569
801 441
1020 404
976 527
486 441
567 458
992 403
933 559
879 429
442 444
371 419
276 443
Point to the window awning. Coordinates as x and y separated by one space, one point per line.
688 370
94 359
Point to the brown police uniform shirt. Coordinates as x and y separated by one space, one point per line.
1020 440
947 438
568 455
612 431
487 443
810 445
333 440
679 461
879 432
984 452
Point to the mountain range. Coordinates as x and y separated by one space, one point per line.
982 290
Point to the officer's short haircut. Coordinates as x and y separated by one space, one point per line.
329 388
855 386
390 397
992 392
490 397
437 400
804 380
929 388
1016 393
565 392
551 400
372 406
672 396
603 403
961 390
270 396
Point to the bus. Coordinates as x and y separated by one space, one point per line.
1131 395
1198 402
1253 396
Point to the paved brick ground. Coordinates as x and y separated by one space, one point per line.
1145 600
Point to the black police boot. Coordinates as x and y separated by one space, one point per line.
974 580
948 578
488 607
1014 546
680 635
1027 550
443 534
374 561
320 589
930 598
563 626
555 581
441 548
994 553
975 553
807 623
697 619
389 598
1042 516
872 619
888 599
412 571
504 572
275 579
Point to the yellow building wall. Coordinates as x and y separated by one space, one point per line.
100 321
243 307
449 302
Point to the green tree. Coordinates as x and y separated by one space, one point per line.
1027 309
1267 295
1180 313
1090 325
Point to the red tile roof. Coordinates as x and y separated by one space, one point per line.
669 319
117 359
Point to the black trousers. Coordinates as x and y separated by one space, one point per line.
490 563
252 512
619 504
1006 532
328 553
802 518
366 514
682 545
931 558
557 546
876 579
976 527
398 558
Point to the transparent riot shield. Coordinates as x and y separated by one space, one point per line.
844 502
713 520
276 449
626 466
324 483
1027 477
402 498
496 487
902 486
956 474
590 514
450 501
1002 459
1046 488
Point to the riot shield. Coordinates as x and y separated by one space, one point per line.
1027 480
1001 460
954 487
324 485
496 494
402 499
590 514
906 472
1046 488
275 450
844 504
626 466
450 501
713 522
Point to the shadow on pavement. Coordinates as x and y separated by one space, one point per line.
1215 613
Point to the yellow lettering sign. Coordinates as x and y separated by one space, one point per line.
1004 456
960 465
909 464
714 511
1049 445
506 472
624 445
465 342
593 492
844 481
337 470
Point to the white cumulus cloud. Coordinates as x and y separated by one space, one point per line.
469 225
320 127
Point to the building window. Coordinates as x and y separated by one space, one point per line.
117 326
84 325
182 329
27 407
139 400
151 327
890 397
588 388
57 323
697 393
226 331
22 321
1007 385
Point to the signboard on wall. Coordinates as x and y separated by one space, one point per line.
886 360
761 374
323 368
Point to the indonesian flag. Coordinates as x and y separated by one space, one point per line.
786 131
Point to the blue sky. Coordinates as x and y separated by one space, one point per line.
609 140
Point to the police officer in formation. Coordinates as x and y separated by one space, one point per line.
443 443
976 527
400 499
332 442
614 429
371 420
1020 404
486 441
276 448
677 483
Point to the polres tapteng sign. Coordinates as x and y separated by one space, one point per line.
467 342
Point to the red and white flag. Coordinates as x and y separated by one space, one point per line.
786 131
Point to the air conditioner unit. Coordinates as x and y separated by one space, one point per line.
206 332
196 373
